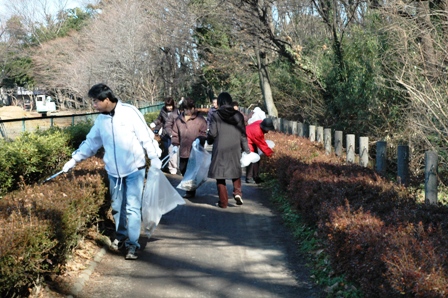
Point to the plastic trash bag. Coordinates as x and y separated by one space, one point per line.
197 167
271 145
247 159
159 198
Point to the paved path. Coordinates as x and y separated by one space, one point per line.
200 250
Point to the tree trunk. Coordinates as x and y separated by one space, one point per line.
424 21
265 83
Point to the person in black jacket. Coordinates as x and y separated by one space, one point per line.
227 133
163 125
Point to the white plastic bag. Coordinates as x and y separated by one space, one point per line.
247 159
159 198
271 145
197 167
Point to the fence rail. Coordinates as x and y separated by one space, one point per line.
11 128
323 135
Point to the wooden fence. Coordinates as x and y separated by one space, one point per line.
333 142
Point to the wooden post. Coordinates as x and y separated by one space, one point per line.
320 135
364 151
431 180
312 136
276 122
287 127
294 130
306 130
280 125
338 142
381 156
350 148
300 129
327 140
403 165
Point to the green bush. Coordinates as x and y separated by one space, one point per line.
29 157
32 156
150 117
77 133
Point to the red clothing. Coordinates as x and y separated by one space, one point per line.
255 138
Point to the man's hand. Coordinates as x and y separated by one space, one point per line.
69 165
152 125
156 163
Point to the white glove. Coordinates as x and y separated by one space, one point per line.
69 165
175 149
156 163
152 125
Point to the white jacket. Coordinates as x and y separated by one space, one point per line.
125 137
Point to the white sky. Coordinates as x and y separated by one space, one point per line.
5 11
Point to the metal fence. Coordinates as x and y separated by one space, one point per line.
11 128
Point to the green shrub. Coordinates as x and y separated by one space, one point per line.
77 133
150 117
31 156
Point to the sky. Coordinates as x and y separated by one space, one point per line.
53 4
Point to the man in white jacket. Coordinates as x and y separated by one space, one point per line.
122 130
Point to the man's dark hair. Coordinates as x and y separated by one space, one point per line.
224 98
101 92
187 104
235 104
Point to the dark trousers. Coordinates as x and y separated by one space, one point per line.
183 162
253 171
166 142
222 191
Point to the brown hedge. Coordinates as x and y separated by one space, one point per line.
376 233
40 224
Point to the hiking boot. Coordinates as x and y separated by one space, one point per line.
131 254
238 199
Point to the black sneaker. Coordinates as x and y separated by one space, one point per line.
131 254
238 199
258 180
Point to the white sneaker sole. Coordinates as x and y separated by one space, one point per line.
239 200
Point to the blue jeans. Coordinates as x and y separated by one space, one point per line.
126 195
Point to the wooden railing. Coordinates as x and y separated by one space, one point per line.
357 151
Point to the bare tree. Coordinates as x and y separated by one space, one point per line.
142 49
40 18
416 63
